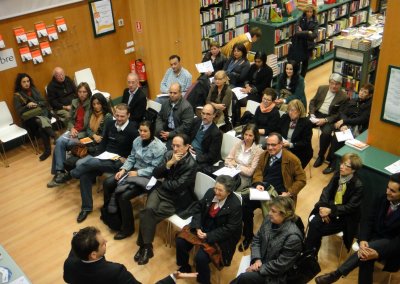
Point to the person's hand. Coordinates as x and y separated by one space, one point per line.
326 219
324 211
208 73
120 174
73 132
182 275
343 128
132 174
164 135
220 106
97 138
231 164
260 187
255 266
201 234
286 144
67 107
176 157
363 251
192 150
261 131
368 254
338 124
321 122
286 194
299 28
279 101
122 159
31 105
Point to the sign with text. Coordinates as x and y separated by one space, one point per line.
7 59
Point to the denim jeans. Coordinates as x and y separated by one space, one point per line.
87 173
62 144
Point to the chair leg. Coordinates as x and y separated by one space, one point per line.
36 148
5 156
309 168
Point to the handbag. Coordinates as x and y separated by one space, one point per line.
37 111
305 268
79 150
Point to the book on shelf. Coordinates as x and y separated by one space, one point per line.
357 144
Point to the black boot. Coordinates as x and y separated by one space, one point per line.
47 147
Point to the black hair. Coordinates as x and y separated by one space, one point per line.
253 128
280 139
295 76
395 178
270 92
240 46
185 138
85 242
150 126
262 56
226 181
175 56
18 80
105 107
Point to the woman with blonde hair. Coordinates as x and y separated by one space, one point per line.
296 130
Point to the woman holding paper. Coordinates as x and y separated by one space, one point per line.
267 116
276 246
30 105
216 57
147 152
245 154
220 96
296 129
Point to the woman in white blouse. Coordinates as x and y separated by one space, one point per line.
245 155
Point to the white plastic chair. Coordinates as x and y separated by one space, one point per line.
10 131
153 105
86 75
252 106
228 141
202 184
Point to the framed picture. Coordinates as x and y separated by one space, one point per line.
391 100
102 17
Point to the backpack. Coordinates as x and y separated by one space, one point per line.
112 220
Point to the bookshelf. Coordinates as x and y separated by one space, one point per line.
357 66
332 19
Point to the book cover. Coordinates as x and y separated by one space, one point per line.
41 29
357 144
45 48
20 35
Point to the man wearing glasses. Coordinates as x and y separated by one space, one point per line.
206 138
324 112
176 116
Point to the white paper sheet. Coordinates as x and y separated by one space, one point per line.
227 171
238 93
244 263
107 156
256 194
151 183
205 67
344 135
394 168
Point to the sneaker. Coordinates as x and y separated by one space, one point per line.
52 184
63 178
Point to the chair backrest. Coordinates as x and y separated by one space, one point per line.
252 106
202 184
154 105
5 115
228 141
281 113
85 75
239 197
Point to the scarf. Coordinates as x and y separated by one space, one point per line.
95 121
266 109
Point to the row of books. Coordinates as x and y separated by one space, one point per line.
272 61
261 13
282 49
321 18
321 34
206 3
351 86
284 33
209 15
205 43
322 48
348 69
348 54
237 20
237 6
234 32
358 4
259 2
338 12
358 18
337 26
211 29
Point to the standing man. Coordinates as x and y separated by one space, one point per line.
174 194
135 98
206 138
60 92
278 167
379 238
176 74
86 263
324 112
117 140
176 116
247 39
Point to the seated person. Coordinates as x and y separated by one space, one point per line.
353 115
276 246
176 116
379 238
237 67
147 153
206 139
258 78
245 154
338 208
86 263
216 221
26 99
217 58
76 129
175 74
220 96
117 139
267 115
135 98
61 90
246 39
296 129
277 167
324 110
174 194
290 86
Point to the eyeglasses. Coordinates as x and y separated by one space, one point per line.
173 93
334 83
206 113
266 100
346 165
272 144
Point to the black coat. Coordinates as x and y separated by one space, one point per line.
61 94
373 226
302 41
262 80
238 75
211 144
137 107
218 63
178 183
99 272
228 223
268 121
301 138
356 112
349 210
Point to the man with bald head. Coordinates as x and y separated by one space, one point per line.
60 92
176 116
135 98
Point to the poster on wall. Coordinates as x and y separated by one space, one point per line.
32 39
61 25
20 35
52 33
45 48
41 29
36 56
102 17
25 54
391 100
7 59
2 45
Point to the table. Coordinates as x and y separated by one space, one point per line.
17 273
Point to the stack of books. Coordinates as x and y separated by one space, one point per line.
272 61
